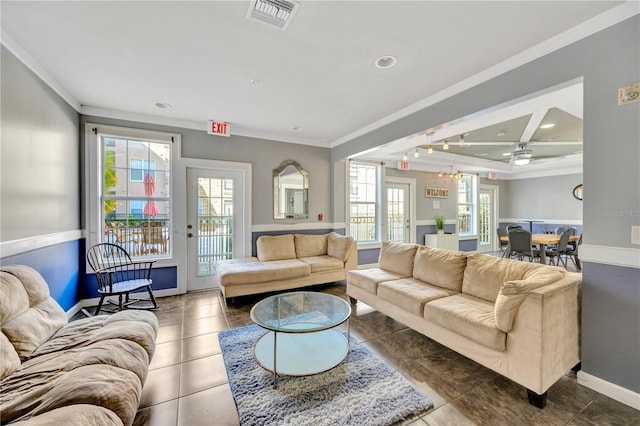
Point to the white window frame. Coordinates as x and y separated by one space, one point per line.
92 171
149 165
378 202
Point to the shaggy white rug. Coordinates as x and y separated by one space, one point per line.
362 390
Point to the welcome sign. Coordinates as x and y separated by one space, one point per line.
436 193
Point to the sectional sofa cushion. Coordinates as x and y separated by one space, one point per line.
368 279
411 294
513 293
275 247
28 316
323 263
467 316
443 268
310 245
484 275
339 246
230 273
397 257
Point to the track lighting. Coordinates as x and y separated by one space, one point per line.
446 145
416 154
405 157
430 149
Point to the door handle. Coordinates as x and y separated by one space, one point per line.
189 235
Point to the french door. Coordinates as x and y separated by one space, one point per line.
215 212
487 218
399 210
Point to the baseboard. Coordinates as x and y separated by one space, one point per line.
95 300
620 394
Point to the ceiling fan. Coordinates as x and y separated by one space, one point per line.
521 154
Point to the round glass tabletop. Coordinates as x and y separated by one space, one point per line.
300 312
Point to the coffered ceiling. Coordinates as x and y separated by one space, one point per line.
315 82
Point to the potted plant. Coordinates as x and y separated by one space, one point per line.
440 224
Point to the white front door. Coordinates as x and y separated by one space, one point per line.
398 220
215 212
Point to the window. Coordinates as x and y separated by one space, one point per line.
138 168
364 201
134 203
467 205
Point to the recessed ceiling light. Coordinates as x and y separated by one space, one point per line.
296 128
386 61
501 133
162 105
254 81
547 126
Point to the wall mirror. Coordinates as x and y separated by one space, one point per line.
290 191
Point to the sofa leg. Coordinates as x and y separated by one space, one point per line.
577 367
353 300
537 400
228 300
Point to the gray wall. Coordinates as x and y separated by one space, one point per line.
39 161
541 198
424 206
264 155
604 61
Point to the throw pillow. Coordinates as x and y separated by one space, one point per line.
275 247
311 245
339 246
513 293
397 257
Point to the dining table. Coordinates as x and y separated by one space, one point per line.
543 240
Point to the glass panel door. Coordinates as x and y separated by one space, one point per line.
398 220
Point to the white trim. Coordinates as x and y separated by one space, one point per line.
237 130
552 221
301 226
618 256
620 394
12 248
580 31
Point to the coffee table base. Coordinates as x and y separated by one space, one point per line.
301 354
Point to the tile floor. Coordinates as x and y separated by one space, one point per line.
187 383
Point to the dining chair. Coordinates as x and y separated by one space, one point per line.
513 226
560 249
504 245
154 238
118 275
520 244
572 252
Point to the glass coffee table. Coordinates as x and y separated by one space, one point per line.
303 336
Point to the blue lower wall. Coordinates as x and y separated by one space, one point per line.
63 267
60 267
255 235
543 227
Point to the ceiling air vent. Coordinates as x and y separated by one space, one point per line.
277 13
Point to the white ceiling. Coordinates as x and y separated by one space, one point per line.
117 58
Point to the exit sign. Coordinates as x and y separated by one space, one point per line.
219 128
403 165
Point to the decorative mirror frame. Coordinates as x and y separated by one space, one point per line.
278 193
577 192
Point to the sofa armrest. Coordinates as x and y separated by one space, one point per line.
352 258
545 340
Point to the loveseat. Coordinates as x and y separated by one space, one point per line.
517 318
85 372
288 261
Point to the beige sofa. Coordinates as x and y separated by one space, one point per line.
288 261
519 319
86 372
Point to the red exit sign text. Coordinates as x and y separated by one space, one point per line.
219 128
